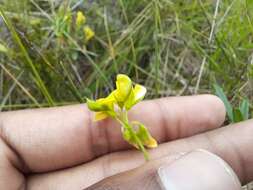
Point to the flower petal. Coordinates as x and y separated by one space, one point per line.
151 143
123 88
100 116
137 94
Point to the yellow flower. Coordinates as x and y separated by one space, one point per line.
117 104
125 96
80 19
89 33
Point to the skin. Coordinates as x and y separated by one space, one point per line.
61 148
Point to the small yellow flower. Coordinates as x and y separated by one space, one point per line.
125 96
80 19
89 33
117 104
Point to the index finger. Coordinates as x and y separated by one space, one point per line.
55 138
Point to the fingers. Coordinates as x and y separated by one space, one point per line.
232 143
10 177
196 170
42 138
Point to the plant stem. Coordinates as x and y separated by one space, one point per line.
127 126
142 148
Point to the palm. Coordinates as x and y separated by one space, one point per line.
60 148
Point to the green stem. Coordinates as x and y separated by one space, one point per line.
128 127
139 143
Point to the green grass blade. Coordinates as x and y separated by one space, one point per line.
29 62
72 85
237 115
219 92
21 86
244 109
8 95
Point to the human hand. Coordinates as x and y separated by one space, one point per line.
60 148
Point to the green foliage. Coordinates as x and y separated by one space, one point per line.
161 44
235 114
244 109
28 60
219 92
3 49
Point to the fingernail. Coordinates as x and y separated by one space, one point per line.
198 170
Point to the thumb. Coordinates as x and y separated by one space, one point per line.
197 170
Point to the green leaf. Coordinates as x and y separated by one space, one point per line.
237 115
244 109
3 49
219 92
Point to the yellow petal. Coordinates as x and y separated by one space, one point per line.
100 116
137 94
108 101
123 88
151 143
80 19
89 33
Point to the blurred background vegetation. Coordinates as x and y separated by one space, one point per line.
173 47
